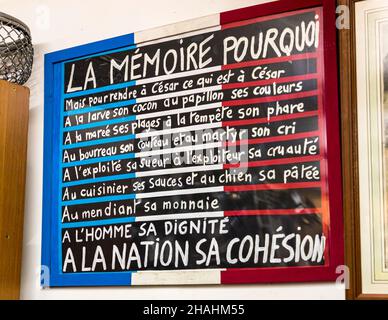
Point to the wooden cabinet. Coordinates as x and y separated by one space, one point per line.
13 151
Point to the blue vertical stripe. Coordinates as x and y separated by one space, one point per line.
96 160
100 179
100 123
101 107
99 141
54 100
100 89
96 223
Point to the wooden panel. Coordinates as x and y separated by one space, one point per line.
13 149
349 151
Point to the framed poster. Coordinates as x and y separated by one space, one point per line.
203 152
368 245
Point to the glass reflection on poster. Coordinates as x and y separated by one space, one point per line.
171 168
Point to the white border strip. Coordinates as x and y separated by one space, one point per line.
179 216
178 192
174 30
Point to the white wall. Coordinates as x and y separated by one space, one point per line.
60 24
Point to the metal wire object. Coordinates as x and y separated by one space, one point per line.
16 50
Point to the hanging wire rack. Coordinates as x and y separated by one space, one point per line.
16 50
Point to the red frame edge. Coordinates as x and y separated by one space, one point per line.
331 105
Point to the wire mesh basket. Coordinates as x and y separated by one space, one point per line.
16 50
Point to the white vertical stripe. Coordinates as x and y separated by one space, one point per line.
179 129
176 277
213 145
179 216
179 170
178 75
176 30
178 192
176 111
178 94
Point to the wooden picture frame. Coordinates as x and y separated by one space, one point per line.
350 156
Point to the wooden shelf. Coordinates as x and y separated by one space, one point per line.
13 150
